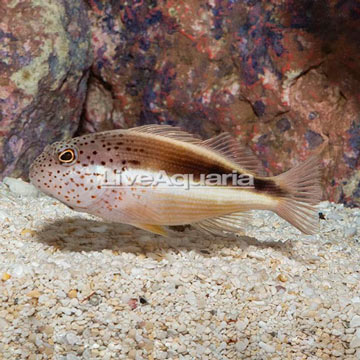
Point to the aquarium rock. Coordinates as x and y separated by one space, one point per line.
281 76
45 56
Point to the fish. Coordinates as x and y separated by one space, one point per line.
157 176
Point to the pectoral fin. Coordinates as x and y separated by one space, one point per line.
155 229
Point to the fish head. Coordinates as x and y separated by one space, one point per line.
62 172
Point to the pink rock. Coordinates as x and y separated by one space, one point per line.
44 57
282 76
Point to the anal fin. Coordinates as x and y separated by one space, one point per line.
223 225
155 229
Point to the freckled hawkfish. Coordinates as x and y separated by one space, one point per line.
115 175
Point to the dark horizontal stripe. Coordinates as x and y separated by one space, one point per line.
268 186
158 155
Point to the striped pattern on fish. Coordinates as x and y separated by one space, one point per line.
77 173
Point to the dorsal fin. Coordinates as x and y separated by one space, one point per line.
229 147
169 131
224 144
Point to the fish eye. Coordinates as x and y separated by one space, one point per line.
67 156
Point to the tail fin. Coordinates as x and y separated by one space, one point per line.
302 183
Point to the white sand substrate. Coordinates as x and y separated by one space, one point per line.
74 287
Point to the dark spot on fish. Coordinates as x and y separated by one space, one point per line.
134 162
81 152
94 152
103 163
124 162
128 149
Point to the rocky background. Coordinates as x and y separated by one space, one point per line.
281 75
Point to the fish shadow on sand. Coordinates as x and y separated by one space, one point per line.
77 234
